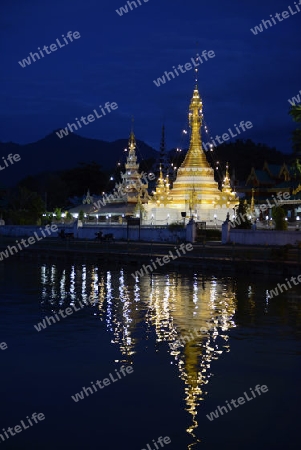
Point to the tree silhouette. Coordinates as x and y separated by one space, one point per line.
295 113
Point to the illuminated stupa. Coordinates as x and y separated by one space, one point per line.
195 191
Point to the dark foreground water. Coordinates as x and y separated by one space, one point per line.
247 341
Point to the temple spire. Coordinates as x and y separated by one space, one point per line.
131 183
196 71
163 160
195 156
226 183
162 147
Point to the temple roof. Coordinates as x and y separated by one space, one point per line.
260 177
288 184
117 209
86 208
273 169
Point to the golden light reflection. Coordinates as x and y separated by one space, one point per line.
174 307
125 326
181 311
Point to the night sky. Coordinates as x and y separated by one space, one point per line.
117 58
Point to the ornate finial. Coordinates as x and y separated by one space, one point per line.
226 186
132 142
161 171
196 70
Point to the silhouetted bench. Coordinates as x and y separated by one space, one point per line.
63 235
107 237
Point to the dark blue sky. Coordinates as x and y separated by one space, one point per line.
117 58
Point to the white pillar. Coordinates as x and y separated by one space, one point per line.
191 231
226 232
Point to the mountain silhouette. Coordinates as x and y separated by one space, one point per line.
51 154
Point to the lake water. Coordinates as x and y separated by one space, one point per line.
170 387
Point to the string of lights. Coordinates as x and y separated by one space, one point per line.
182 143
216 164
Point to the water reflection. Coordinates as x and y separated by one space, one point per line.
173 305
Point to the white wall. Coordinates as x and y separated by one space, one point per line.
156 234
260 237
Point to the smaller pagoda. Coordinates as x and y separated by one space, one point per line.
228 196
134 190
161 196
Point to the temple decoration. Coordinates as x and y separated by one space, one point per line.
161 195
298 189
88 199
252 206
227 197
132 185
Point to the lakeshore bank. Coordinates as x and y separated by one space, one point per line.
212 256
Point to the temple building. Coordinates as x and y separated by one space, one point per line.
271 181
126 199
195 193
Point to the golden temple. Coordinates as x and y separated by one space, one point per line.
195 190
195 194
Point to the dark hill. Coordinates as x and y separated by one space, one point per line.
52 154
